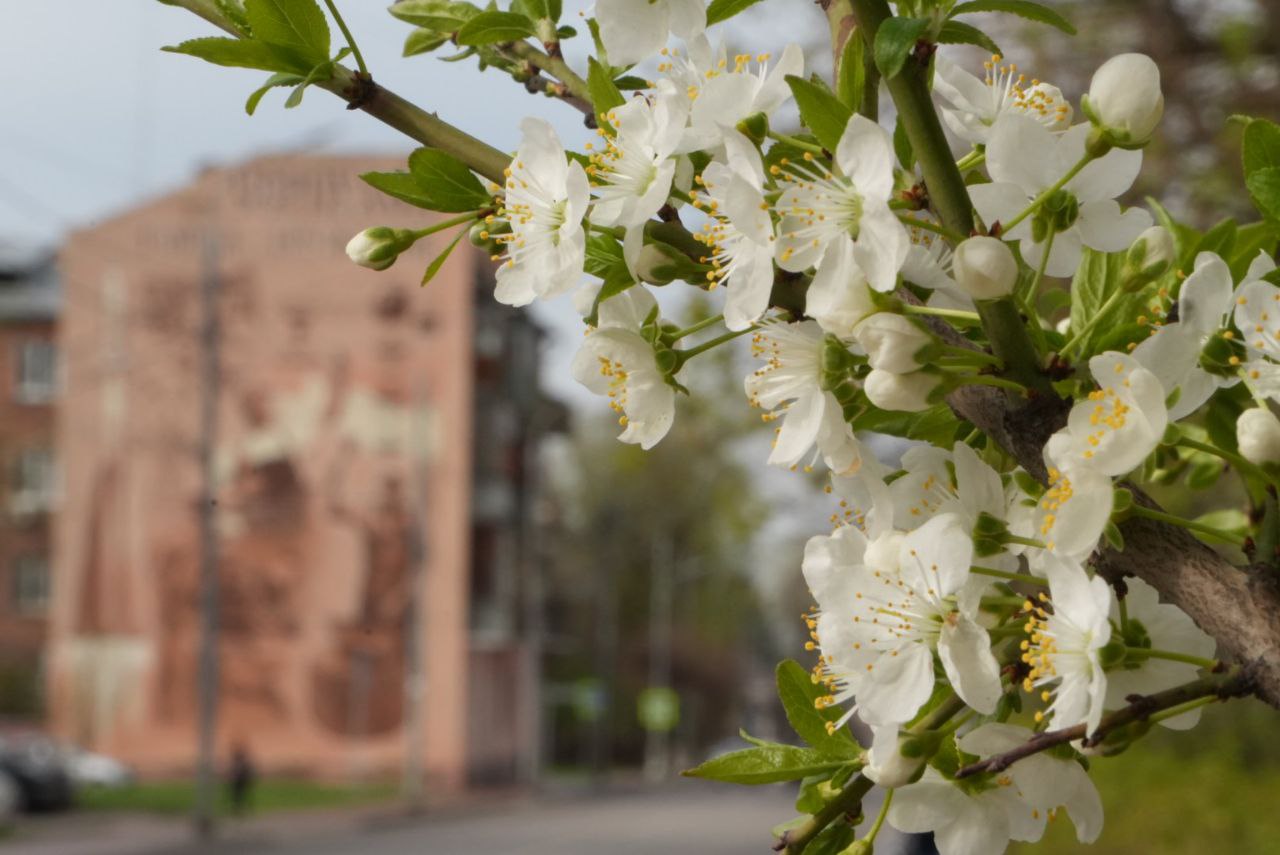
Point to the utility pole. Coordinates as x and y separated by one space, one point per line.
415 678
533 596
207 667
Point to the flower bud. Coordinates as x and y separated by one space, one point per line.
1124 98
890 763
893 343
661 264
1258 434
985 268
1151 255
379 247
907 393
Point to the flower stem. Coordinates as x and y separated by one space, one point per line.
686 355
351 42
1243 466
447 224
1172 656
927 226
797 143
974 158
949 314
884 811
1005 574
1033 290
1044 194
1025 541
1189 525
673 337
969 355
1078 335
1180 709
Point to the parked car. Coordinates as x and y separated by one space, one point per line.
33 762
88 769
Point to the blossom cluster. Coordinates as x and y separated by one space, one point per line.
958 610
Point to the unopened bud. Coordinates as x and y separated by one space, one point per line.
907 393
379 247
1258 435
985 268
1150 256
1125 100
893 343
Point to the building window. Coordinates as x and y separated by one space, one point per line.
37 372
31 584
33 482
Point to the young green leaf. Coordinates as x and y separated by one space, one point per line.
799 696
323 71
604 93
295 24
434 267
895 40
1251 239
1022 8
447 182
489 28
445 16
234 10
1261 149
277 79
1264 187
766 765
960 33
851 76
399 185
820 110
603 255
423 40
723 10
538 9
244 53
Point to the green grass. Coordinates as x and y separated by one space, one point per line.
177 797
1215 790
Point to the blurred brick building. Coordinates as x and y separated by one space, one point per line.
362 421
29 486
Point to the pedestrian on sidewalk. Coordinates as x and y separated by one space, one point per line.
241 777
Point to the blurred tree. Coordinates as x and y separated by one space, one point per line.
688 503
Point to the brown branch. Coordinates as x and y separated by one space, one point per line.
1231 684
845 802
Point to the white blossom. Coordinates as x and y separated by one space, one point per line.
1122 421
545 200
893 343
615 360
789 386
973 105
633 30
964 821
821 208
1076 505
1025 159
907 393
739 232
1258 436
985 268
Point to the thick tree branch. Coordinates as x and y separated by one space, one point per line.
1232 684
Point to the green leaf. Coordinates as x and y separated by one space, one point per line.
723 10
603 255
1022 8
820 110
1264 187
296 24
617 281
895 40
1261 146
489 28
277 79
244 53
400 185
1251 239
538 9
799 694
423 40
1220 239
323 71
766 764
960 33
937 425
1097 277
234 10
851 77
445 16
604 93
434 267
447 182
832 840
